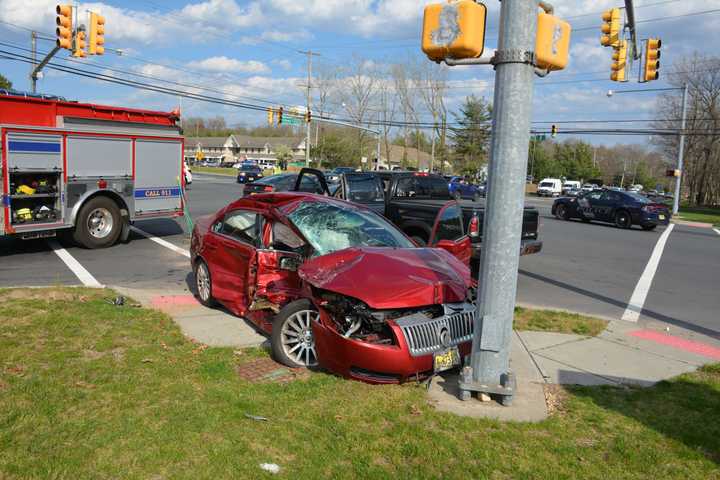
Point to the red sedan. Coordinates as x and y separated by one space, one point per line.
336 284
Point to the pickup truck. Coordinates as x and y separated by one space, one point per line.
412 200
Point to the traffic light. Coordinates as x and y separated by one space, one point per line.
64 26
672 173
79 50
270 116
280 115
308 116
97 34
619 62
610 28
651 70
454 30
553 131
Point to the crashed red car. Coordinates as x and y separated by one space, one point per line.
335 284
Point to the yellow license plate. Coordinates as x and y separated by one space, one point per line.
446 360
661 217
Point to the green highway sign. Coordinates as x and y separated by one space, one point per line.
291 121
538 138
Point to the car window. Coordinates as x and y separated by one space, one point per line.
594 195
638 197
406 187
365 188
613 197
432 187
283 238
449 226
241 226
310 184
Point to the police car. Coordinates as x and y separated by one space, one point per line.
622 208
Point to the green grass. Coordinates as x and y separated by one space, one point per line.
221 171
557 321
90 390
701 214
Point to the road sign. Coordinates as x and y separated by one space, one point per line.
291 121
538 138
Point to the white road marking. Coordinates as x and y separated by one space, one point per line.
80 272
162 242
717 231
637 301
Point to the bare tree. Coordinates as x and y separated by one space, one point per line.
431 83
360 86
325 83
408 101
387 105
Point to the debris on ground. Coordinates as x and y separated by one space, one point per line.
266 369
256 417
554 398
270 467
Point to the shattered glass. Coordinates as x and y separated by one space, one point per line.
329 228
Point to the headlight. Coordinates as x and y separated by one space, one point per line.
242 174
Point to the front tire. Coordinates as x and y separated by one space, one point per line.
98 223
649 228
203 283
292 340
623 219
561 212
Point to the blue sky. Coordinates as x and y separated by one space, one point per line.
249 50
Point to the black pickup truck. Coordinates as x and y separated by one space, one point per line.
412 200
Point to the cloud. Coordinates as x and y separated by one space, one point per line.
284 64
225 64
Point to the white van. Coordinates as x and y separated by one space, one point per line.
570 185
550 187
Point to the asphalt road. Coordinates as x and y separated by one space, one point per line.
589 268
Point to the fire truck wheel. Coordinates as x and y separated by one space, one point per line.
98 225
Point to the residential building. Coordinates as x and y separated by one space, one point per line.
237 148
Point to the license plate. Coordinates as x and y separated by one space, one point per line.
446 360
661 217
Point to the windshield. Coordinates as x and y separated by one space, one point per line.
329 228
546 184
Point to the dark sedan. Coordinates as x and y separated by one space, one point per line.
283 182
624 209
249 173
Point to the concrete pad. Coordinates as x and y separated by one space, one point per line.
528 404
535 341
618 363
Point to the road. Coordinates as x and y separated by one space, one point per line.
588 268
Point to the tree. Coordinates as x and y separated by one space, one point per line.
283 153
5 84
472 136
337 149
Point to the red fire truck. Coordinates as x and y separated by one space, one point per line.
90 170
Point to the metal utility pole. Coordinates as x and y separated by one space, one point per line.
681 152
309 54
488 370
630 25
33 47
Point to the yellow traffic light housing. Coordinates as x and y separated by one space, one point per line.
610 28
651 69
79 50
97 34
619 62
552 44
454 29
64 26
270 116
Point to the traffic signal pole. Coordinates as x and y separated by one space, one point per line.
681 152
488 369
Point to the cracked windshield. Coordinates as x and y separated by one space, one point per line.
330 228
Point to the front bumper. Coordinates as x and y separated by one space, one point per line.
248 178
647 219
527 247
374 363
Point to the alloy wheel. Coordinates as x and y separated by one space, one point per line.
202 279
297 338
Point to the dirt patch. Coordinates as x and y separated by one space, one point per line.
555 396
268 370
117 354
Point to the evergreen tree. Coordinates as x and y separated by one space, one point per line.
5 84
472 135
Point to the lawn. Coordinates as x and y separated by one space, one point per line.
557 321
92 390
217 170
701 214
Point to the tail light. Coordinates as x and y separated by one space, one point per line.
421 174
474 229
268 188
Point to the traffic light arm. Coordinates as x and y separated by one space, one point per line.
41 65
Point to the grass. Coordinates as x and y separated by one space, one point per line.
557 321
701 214
217 170
90 390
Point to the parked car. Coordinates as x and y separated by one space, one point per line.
570 185
550 187
460 188
187 172
589 187
311 271
335 173
624 209
282 182
573 192
249 173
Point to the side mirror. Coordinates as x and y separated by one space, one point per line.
290 264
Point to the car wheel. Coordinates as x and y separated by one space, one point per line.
562 212
457 196
648 228
98 223
477 197
292 340
623 219
203 283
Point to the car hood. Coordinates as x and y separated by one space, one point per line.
390 277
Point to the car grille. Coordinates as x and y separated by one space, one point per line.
423 335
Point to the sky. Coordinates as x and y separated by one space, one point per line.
249 52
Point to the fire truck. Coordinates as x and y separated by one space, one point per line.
87 170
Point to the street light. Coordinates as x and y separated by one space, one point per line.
681 148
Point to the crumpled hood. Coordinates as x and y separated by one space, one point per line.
390 277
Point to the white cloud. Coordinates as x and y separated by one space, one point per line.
284 64
225 64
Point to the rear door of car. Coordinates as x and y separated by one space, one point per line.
449 234
232 249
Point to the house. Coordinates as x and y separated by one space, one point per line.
414 158
237 148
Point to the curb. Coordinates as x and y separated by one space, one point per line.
692 224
